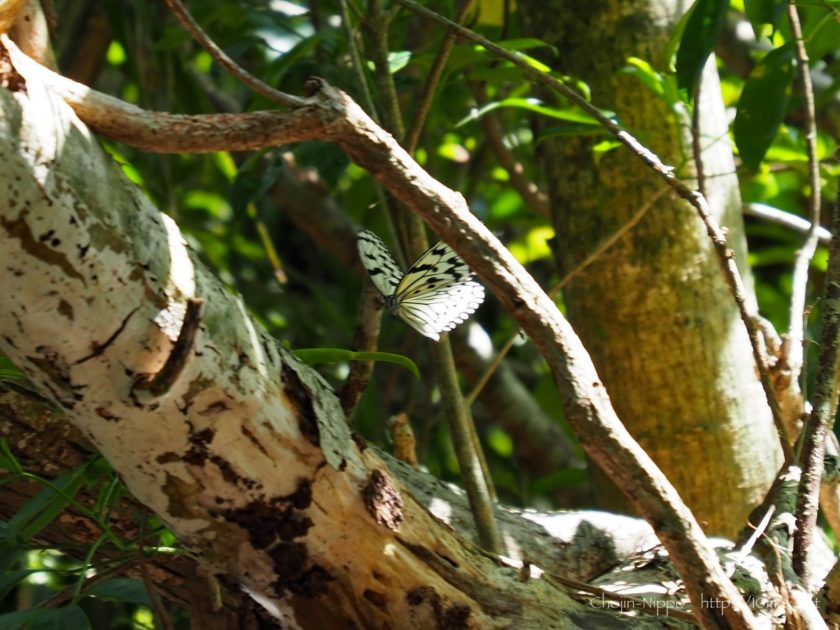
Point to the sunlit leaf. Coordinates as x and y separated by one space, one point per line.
535 105
500 442
398 60
311 356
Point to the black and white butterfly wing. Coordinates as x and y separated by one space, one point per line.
383 270
441 310
437 292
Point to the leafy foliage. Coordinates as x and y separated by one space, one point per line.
291 255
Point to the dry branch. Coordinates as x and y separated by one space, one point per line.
330 115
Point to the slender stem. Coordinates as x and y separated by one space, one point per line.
792 221
412 239
432 80
369 314
696 145
234 68
725 254
820 420
458 420
268 245
356 61
529 191
365 339
377 28
799 288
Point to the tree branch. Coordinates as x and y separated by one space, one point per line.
824 402
725 255
587 405
794 344
234 68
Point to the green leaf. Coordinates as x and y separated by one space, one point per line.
525 43
761 12
310 356
121 590
8 461
8 371
44 507
663 85
560 479
701 32
500 442
763 104
398 60
538 107
70 617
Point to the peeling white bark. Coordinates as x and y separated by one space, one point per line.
247 456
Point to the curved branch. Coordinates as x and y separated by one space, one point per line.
587 405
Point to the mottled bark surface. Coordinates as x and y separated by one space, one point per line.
654 310
247 456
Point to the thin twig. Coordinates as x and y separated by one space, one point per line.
158 607
268 246
792 221
433 78
412 239
820 420
356 61
365 338
529 191
161 382
376 24
799 288
600 249
697 200
696 146
221 57
369 314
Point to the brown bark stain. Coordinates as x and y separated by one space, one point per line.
273 526
182 498
66 309
253 439
376 598
199 454
300 397
105 413
9 77
383 500
37 248
196 386
447 617
52 366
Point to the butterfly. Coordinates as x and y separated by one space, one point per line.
436 293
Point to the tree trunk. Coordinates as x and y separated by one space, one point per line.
654 310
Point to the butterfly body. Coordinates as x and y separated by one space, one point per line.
436 293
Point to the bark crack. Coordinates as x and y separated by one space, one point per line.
98 349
